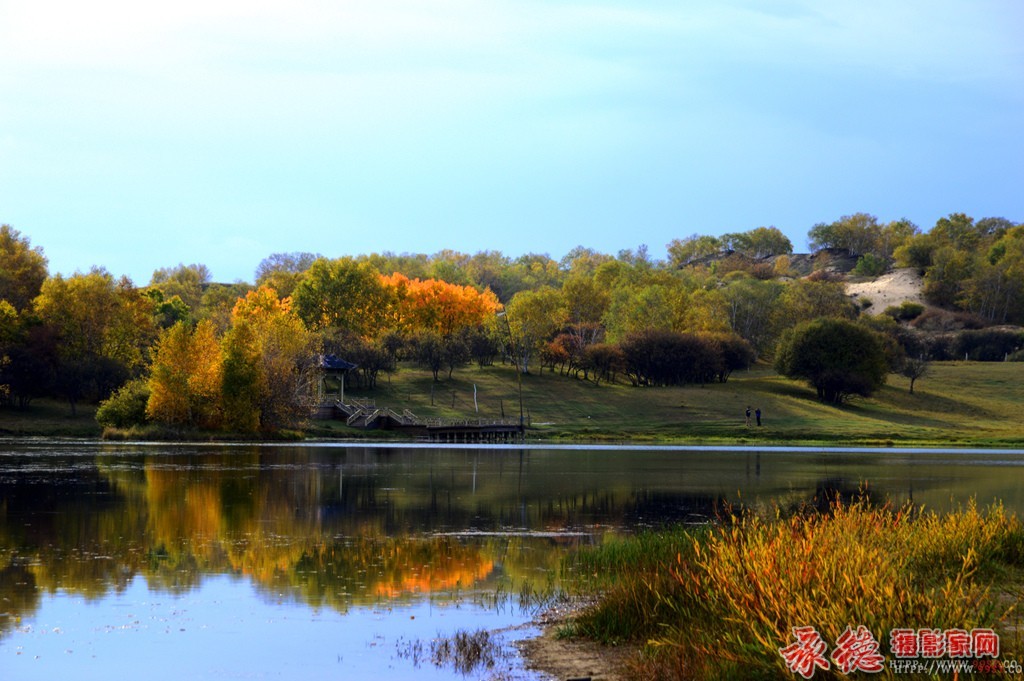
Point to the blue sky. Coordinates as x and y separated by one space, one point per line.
140 135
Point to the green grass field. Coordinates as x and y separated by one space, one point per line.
957 404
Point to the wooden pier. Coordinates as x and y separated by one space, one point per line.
366 415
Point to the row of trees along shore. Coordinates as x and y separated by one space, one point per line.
184 351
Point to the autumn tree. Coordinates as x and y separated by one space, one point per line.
103 328
186 376
437 306
22 268
285 352
683 252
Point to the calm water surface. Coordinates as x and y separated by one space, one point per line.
329 562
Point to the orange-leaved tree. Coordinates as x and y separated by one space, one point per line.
438 306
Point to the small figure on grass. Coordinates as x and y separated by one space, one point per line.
757 415
748 416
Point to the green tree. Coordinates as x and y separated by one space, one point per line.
22 268
856 234
995 291
950 269
8 333
533 318
768 241
916 251
342 294
839 358
894 235
242 380
804 300
958 231
750 306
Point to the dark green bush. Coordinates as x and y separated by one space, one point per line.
126 407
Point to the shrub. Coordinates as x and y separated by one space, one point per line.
653 358
870 265
935 319
126 407
906 311
988 345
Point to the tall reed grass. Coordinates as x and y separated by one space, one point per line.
720 603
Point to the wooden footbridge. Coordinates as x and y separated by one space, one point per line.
365 414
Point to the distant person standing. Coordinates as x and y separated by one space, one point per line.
748 416
757 415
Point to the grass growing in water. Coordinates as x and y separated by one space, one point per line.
719 603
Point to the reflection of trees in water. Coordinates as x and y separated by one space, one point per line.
327 530
20 597
297 531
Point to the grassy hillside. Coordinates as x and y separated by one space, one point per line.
957 403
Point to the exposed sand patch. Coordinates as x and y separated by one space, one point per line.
570 659
893 288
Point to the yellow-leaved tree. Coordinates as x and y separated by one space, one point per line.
272 355
185 380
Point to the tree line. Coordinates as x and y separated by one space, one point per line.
186 351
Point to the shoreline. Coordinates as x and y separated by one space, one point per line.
557 657
682 444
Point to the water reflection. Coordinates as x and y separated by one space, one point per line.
336 528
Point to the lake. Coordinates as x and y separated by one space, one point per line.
327 561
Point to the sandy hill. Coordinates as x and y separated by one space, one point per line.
893 288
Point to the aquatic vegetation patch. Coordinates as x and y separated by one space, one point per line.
722 602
